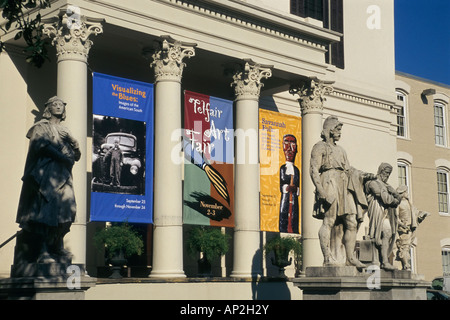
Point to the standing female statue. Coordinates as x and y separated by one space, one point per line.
47 204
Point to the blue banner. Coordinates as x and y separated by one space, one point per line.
122 150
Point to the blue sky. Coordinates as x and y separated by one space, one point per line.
422 38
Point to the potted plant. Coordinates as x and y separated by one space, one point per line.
209 241
282 247
120 242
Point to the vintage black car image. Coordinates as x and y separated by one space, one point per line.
117 166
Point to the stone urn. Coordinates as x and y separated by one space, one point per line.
204 268
117 262
281 260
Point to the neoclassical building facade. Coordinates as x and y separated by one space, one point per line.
308 60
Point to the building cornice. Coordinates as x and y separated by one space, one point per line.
359 98
260 20
417 78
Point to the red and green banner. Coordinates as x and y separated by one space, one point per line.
208 192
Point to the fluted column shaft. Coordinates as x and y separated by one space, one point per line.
247 260
311 96
168 198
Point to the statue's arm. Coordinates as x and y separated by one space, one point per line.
383 194
52 152
315 164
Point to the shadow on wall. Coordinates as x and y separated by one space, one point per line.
265 288
41 82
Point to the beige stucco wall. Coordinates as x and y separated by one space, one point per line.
13 124
181 290
426 156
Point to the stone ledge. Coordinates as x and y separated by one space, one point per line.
191 280
45 288
347 283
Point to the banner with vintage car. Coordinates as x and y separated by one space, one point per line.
208 143
122 150
280 171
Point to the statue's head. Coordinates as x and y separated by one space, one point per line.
52 102
402 190
331 128
290 147
384 171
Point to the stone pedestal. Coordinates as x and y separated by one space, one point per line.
46 281
347 283
45 288
40 270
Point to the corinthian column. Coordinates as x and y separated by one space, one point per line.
168 198
311 97
71 39
247 260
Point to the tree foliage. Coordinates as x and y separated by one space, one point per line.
280 245
208 240
119 237
29 27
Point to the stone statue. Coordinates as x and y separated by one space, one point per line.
383 200
340 200
47 202
409 217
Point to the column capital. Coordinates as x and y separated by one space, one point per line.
70 32
247 82
312 94
168 58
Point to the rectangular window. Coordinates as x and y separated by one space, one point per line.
331 13
442 180
439 124
308 8
401 114
334 20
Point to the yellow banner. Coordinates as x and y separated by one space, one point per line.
280 172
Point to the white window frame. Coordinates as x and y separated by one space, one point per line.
443 126
402 106
445 250
406 165
443 195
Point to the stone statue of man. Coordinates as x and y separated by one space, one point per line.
409 218
340 200
47 204
383 200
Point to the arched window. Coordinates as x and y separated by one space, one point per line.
402 111
445 249
440 128
443 190
403 173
